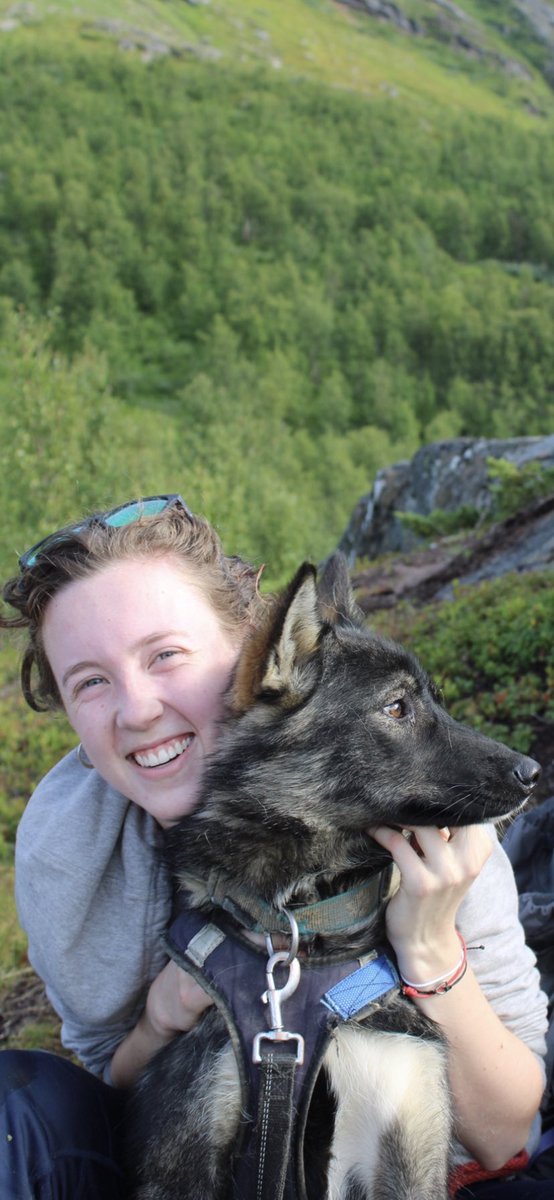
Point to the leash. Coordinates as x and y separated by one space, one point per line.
275 1120
277 1052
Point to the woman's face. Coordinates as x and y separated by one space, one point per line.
141 662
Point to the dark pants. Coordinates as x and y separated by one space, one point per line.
535 1183
59 1131
523 1187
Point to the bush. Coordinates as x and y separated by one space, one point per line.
440 522
491 652
514 487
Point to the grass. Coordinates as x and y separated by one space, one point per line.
27 1022
13 942
31 744
313 39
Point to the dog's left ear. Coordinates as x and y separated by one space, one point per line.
336 599
279 659
295 637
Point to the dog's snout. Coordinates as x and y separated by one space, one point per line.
527 773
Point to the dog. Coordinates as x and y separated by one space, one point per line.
329 729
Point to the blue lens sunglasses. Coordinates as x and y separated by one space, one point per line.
124 514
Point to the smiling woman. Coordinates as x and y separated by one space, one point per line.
134 621
141 684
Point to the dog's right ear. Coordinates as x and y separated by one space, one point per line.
336 598
279 660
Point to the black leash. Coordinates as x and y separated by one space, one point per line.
275 1119
277 1053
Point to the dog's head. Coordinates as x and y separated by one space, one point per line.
336 728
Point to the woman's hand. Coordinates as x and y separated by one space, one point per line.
437 867
496 1082
174 1004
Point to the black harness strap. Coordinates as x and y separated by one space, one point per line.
275 1120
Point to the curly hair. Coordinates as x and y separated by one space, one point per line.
228 583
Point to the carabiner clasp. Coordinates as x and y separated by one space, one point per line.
275 996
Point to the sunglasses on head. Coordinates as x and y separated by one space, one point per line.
124 514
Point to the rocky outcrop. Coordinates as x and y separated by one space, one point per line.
457 28
524 542
151 46
443 475
449 474
384 10
540 16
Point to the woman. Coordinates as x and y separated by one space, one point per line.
135 619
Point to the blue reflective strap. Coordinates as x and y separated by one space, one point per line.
363 987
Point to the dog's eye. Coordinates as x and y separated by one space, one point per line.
397 709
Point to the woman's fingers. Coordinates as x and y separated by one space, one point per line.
455 851
175 1000
437 867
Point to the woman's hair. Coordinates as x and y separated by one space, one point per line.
228 584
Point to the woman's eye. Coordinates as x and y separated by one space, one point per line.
89 683
397 709
166 654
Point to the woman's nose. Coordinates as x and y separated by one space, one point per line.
138 704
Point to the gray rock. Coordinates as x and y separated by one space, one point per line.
540 16
443 475
521 544
385 10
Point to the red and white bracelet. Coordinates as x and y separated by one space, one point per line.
443 983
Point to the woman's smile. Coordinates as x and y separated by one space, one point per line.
163 752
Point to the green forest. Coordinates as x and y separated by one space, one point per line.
254 288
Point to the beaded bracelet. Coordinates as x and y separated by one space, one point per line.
443 983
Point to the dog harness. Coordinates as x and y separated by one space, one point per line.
277 1067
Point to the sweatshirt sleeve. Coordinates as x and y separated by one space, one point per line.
505 966
94 899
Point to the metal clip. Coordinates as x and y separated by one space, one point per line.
275 996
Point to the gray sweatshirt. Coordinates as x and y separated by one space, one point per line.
94 899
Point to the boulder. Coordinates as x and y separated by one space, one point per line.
443 475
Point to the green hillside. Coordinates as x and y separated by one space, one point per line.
256 251
461 55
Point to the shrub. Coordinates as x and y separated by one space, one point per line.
440 522
514 487
491 652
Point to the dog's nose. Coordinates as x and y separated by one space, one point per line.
527 773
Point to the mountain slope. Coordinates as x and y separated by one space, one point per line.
487 57
307 237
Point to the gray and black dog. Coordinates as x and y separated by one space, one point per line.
330 729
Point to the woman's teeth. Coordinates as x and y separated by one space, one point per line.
170 750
